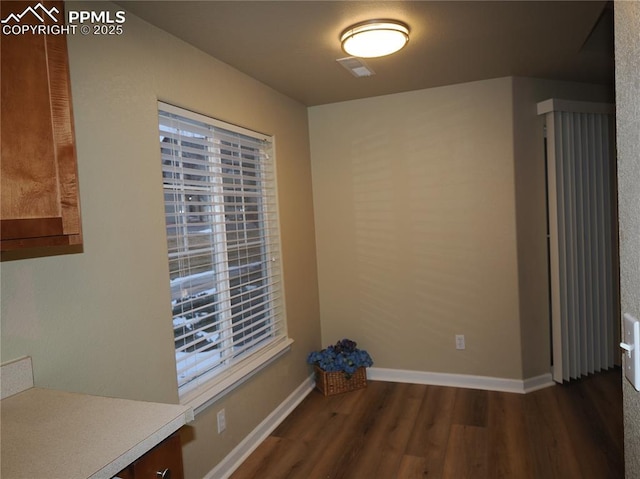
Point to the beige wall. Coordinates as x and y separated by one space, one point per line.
431 222
100 322
416 227
627 28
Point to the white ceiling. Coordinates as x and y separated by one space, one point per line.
292 45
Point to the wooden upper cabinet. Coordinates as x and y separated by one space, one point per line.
39 203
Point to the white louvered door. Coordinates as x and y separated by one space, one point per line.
584 291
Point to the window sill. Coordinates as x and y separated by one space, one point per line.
205 395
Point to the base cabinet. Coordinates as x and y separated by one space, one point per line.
162 462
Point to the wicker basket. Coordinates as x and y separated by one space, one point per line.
336 382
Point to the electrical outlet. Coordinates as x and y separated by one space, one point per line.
460 341
222 421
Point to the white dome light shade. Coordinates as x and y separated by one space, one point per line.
374 38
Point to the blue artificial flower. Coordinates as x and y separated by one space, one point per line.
342 356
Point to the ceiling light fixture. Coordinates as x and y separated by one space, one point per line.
374 38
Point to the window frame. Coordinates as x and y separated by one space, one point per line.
231 372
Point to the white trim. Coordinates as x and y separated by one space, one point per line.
176 110
554 104
241 452
538 382
460 380
554 267
205 395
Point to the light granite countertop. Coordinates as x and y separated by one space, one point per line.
54 434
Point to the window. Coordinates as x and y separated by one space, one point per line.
223 245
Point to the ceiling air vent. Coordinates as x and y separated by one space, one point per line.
356 66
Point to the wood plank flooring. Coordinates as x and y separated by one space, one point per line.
410 431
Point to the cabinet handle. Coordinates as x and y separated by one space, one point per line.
166 474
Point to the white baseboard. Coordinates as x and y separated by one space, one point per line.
538 382
239 454
461 380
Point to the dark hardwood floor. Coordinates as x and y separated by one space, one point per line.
395 430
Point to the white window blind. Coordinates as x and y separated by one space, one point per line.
222 242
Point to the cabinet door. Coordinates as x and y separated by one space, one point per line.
165 458
39 203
